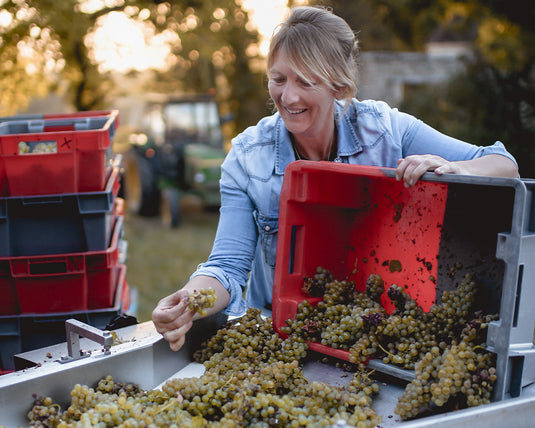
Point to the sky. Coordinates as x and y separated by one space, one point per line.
121 45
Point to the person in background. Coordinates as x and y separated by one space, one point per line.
311 70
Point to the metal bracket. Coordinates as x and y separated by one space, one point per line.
74 329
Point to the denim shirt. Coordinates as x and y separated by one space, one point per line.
369 133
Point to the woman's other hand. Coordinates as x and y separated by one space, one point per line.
173 319
411 168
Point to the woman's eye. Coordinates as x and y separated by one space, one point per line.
277 79
306 84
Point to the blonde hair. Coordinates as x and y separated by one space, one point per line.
318 44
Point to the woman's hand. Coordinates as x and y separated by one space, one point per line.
411 168
173 319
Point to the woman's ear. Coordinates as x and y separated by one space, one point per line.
340 93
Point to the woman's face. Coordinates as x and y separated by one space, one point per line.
305 108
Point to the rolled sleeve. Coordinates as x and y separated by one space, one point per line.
236 305
497 149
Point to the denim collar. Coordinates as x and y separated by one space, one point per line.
283 146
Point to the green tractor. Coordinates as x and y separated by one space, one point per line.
178 151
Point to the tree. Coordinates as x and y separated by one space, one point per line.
212 51
371 24
45 39
27 53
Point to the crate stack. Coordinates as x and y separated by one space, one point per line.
62 250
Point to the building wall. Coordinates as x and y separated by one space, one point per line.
384 75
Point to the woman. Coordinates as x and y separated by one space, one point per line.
311 67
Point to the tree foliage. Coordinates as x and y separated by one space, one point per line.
45 42
495 99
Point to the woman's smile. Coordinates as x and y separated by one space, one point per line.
295 111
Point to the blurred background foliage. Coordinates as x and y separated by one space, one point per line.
47 46
495 98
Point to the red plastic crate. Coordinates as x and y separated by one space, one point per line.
21 333
61 283
79 161
358 220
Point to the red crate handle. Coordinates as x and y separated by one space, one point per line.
48 266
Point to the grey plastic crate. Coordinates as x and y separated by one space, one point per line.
489 226
491 223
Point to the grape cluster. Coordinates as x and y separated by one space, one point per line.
362 382
42 147
44 412
444 346
315 286
253 378
201 300
339 319
461 376
375 287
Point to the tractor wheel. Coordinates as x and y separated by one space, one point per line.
140 185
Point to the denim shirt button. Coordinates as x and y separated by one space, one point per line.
267 228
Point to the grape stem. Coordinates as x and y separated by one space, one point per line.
171 403
384 350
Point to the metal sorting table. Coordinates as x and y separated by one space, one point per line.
142 356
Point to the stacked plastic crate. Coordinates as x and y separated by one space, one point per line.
62 253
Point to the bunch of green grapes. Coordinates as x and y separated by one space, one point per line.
463 375
254 377
44 411
362 382
337 321
315 285
201 300
444 346
246 339
401 338
356 321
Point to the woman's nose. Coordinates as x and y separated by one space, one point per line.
289 94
